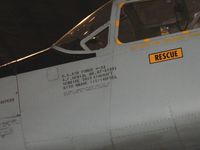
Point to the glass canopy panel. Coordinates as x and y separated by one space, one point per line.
71 40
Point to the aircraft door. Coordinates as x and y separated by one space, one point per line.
67 106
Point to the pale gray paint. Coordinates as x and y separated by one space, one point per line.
148 107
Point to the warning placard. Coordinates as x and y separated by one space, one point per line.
166 55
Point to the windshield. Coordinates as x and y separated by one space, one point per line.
72 40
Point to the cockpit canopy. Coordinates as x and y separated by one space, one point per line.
89 34
139 19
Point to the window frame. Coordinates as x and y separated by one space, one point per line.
85 49
96 32
142 41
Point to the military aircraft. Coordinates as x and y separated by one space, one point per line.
132 83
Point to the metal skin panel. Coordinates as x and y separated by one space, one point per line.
9 105
116 101
156 106
11 135
52 113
